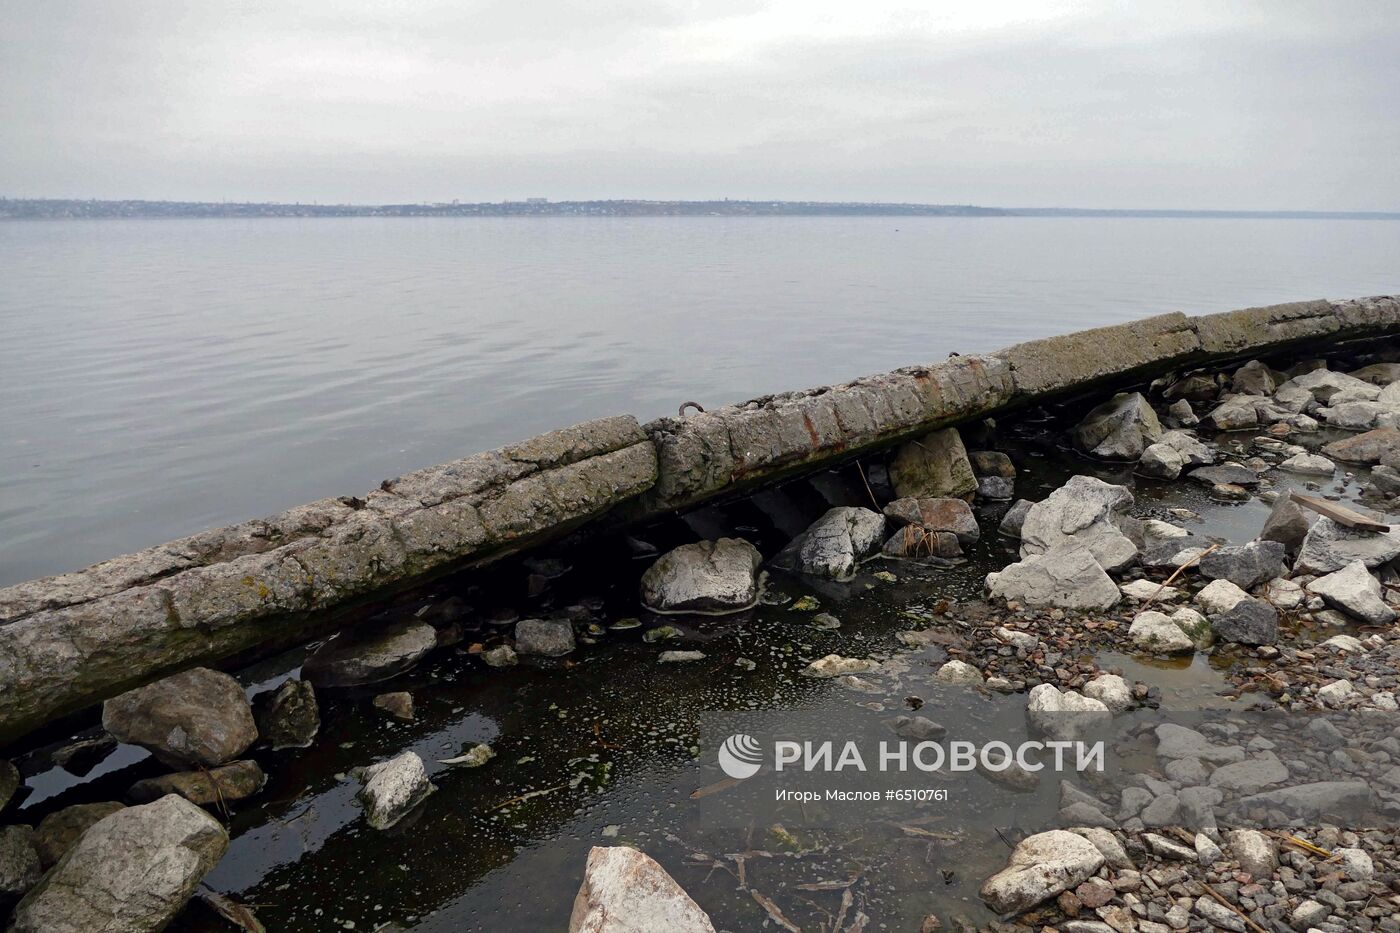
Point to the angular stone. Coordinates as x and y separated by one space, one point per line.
1251 775
1041 866
1225 474
624 891
935 465
1014 518
369 656
1067 576
1183 413
1253 378
1085 510
1330 546
1323 385
131 872
996 488
1286 524
1196 626
196 717
1354 416
1119 429
953 515
958 673
1063 715
1254 851
704 577
548 638
1219 596
10 782
992 463
1193 451
398 704
20 867
1245 565
834 545
1176 742
1110 690
215 787
1161 461
289 716
1345 800
1156 633
1371 447
58 831
393 788
1309 465
1356 592
1248 622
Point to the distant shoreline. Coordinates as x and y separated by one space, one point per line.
72 209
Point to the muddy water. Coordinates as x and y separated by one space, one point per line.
604 747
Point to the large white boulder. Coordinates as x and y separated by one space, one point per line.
1085 510
707 576
1119 429
1041 867
1354 591
1066 576
131 872
834 545
626 891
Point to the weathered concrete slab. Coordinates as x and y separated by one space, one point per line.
71 640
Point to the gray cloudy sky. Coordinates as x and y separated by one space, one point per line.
1275 104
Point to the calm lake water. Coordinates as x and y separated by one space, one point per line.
158 377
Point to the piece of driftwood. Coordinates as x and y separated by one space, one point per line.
1339 513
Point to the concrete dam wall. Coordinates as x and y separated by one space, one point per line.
72 640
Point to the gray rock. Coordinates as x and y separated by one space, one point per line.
209 788
1063 715
1110 690
1115 856
1249 622
1154 632
1219 596
935 465
58 831
1353 416
1245 565
958 673
1253 378
1323 385
393 788
549 638
1309 914
1354 591
1207 852
1219 916
1329 547
1286 524
1193 451
1372 447
1181 410
706 577
1254 851
1309 465
680 657
1314 801
834 545
369 656
1015 517
1225 474
289 716
196 717
1165 848
1041 867
1067 576
1085 510
20 867
1196 626
1378 374
1178 742
1162 811
1161 461
131 872
953 515
1119 429
918 729
10 782
996 488
1251 775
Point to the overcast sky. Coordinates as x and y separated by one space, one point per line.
1275 104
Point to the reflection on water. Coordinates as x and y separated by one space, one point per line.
159 377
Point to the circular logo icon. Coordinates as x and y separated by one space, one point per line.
740 756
